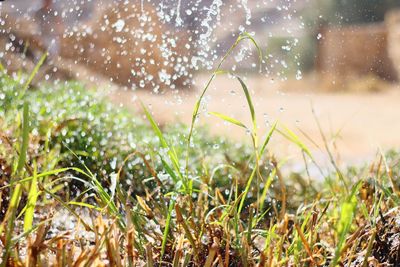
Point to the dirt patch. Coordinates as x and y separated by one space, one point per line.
385 249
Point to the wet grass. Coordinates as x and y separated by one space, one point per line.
141 194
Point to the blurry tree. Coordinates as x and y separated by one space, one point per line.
354 11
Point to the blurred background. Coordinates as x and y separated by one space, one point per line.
331 61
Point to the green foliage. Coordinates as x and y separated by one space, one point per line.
68 117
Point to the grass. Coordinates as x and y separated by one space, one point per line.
139 193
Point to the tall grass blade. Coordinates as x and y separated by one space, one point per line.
249 102
167 226
246 35
32 199
268 138
247 189
25 138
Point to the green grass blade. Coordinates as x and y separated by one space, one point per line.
348 209
33 74
247 189
228 119
249 102
83 204
10 222
171 151
268 138
169 170
25 138
267 185
44 174
246 35
32 199
167 226
65 205
291 136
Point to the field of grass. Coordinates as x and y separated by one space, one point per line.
84 183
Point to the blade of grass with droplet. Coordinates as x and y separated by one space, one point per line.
228 119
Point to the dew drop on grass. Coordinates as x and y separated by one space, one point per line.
205 240
113 163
